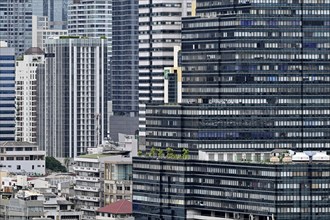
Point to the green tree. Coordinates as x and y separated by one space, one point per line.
170 153
185 153
160 153
140 153
153 152
54 165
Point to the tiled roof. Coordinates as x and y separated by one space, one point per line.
119 207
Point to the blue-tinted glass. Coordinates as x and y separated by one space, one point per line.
7 71
7 64
7 57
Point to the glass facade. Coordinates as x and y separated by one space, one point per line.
125 48
171 189
257 74
7 94
16 24
123 83
267 64
55 10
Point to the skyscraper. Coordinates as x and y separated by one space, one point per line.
26 97
255 79
55 10
159 32
7 92
93 19
16 24
71 96
124 68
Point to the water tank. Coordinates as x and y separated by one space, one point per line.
321 156
300 157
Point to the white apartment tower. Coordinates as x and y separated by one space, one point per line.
159 33
91 18
71 96
26 97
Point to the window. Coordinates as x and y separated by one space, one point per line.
18 167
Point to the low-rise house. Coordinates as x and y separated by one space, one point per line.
60 208
120 210
22 158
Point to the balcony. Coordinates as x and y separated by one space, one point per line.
89 208
88 179
88 198
87 188
86 169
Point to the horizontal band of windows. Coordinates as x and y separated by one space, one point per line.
7 57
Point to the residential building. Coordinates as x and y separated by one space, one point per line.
90 175
118 174
22 157
123 81
233 185
120 210
72 96
159 31
93 19
41 31
16 24
26 97
7 92
55 10
60 208
117 181
26 205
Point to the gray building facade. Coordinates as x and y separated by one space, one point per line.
16 24
55 10
193 189
124 68
249 81
72 96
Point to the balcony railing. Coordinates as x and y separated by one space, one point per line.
87 188
87 169
86 178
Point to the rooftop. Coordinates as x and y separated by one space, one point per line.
34 51
119 207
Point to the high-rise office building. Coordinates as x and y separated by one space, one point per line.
159 32
255 79
71 96
55 10
124 68
16 24
251 81
26 97
222 186
7 92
